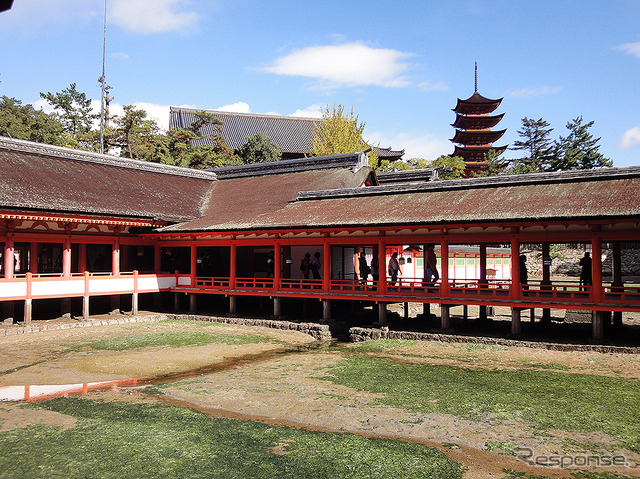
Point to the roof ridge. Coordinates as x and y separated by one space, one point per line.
239 113
354 161
93 157
467 183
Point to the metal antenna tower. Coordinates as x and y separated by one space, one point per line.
103 81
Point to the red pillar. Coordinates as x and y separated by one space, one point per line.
115 257
382 267
157 258
326 266
232 266
66 257
277 265
444 265
33 260
515 268
9 260
194 264
82 257
596 265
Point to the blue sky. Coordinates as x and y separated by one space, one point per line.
401 65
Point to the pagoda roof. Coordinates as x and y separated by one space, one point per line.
476 122
476 104
486 137
476 153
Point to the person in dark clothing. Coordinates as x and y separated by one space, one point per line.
305 267
585 270
315 265
524 275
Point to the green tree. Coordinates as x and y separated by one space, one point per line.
495 165
578 150
340 132
537 145
27 123
134 133
451 167
73 109
259 149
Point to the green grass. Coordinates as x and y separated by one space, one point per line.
379 345
176 339
124 440
549 399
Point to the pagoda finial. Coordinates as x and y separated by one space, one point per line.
476 79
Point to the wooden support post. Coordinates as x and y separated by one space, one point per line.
85 297
277 307
597 322
465 311
193 302
516 323
134 304
176 302
426 309
85 308
382 313
445 318
27 310
233 305
406 311
326 309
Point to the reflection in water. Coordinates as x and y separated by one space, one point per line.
32 393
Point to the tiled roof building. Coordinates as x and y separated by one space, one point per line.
293 135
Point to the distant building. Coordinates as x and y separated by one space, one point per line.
294 135
473 134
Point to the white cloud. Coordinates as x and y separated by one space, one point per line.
630 48
346 65
532 92
151 16
631 138
312 111
237 107
424 145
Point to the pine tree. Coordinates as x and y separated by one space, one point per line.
578 150
536 143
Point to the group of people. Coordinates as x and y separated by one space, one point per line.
311 265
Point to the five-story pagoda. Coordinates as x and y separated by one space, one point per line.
473 134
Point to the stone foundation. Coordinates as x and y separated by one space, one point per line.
368 334
317 331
